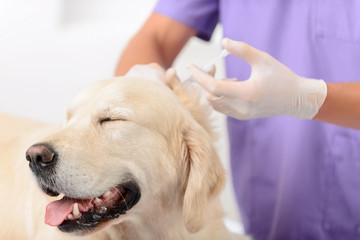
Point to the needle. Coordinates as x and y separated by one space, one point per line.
208 66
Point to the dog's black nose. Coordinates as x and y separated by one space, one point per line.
41 155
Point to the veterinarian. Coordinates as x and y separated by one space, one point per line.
293 178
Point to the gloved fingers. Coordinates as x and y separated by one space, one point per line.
221 104
210 84
171 77
218 103
230 87
155 65
212 98
212 70
243 50
205 80
152 71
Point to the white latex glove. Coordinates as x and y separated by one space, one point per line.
152 71
272 89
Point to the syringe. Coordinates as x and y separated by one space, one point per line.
208 66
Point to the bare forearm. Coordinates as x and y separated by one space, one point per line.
159 40
342 105
139 52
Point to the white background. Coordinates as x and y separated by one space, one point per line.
51 49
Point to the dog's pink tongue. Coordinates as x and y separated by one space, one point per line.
57 211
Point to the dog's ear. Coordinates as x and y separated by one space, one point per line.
190 95
206 176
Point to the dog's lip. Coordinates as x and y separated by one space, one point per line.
68 208
96 215
49 191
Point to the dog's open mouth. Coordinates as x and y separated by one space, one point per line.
70 214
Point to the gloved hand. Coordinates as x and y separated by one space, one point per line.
272 89
151 71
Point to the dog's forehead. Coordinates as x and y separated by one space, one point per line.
124 92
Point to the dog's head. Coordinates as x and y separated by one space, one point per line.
128 149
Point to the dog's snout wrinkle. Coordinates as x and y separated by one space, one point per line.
41 155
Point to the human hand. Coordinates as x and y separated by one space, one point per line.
272 88
151 71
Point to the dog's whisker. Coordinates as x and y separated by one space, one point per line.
127 207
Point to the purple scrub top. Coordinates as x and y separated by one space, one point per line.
293 179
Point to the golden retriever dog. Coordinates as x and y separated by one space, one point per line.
134 159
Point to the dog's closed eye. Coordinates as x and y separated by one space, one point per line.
104 120
109 119
108 115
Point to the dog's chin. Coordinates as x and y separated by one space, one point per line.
100 210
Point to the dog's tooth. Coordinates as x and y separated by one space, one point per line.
106 194
103 209
70 216
76 211
97 200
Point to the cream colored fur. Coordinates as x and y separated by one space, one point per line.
161 135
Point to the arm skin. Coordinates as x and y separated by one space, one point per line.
159 40
342 105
